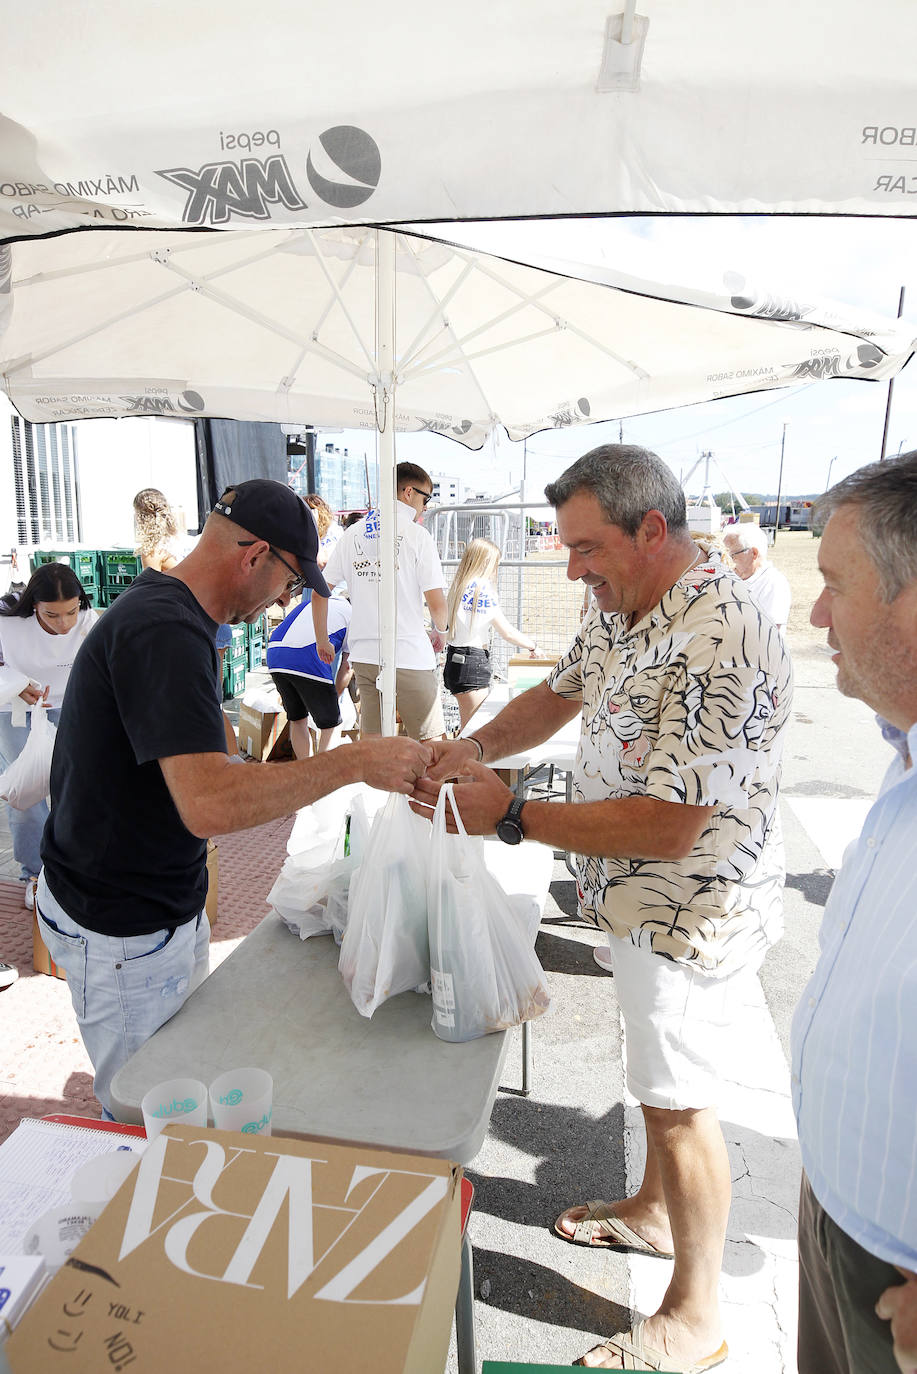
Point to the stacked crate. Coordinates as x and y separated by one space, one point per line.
117 570
235 663
256 640
84 562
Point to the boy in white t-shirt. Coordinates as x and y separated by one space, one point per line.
355 560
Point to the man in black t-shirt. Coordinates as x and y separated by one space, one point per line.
141 774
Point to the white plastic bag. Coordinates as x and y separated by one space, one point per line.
386 949
28 778
484 970
311 891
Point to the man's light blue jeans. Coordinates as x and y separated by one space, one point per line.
25 826
123 988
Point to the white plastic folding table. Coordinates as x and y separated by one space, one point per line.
279 1002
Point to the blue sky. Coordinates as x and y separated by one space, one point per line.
833 426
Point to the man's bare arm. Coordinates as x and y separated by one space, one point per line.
214 797
623 827
436 601
525 721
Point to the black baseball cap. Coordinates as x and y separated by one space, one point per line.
274 512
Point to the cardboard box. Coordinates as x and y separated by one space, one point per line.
261 732
210 906
41 959
235 1253
523 671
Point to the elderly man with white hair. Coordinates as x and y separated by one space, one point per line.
765 584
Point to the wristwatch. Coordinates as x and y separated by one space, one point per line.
509 829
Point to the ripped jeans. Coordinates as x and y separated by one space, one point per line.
123 988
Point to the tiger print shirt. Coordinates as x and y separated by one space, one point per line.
689 706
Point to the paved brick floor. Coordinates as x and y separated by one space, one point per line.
43 1066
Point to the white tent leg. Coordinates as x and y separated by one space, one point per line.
385 423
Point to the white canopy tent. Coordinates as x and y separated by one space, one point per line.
232 131
293 114
385 329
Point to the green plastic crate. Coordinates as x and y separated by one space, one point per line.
255 653
84 562
118 567
233 678
236 651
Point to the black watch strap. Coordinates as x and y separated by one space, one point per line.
509 827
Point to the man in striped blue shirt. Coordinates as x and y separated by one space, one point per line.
855 1030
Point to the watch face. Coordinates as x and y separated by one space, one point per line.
509 830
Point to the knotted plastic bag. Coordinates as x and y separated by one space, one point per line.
28 778
311 891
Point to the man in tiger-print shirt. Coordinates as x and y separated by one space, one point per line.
684 691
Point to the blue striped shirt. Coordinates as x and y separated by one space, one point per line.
855 1030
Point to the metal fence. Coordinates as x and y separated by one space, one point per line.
535 593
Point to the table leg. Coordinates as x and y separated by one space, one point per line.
526 1058
464 1312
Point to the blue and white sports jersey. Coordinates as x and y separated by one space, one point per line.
291 648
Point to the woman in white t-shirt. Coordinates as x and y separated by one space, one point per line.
40 633
474 611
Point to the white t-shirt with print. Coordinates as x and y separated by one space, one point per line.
475 615
355 560
45 658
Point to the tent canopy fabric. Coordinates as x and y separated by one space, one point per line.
294 114
281 324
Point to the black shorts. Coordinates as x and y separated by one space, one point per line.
467 669
303 696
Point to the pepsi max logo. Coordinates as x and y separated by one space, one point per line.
345 166
188 402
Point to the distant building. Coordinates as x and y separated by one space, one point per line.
448 491
71 483
704 516
341 478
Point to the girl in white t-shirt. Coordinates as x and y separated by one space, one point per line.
474 611
40 633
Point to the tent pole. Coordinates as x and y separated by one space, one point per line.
891 387
388 496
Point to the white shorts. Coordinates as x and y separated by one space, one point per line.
676 1024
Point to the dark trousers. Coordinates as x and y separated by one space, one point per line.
839 1285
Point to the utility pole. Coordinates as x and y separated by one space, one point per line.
830 466
780 481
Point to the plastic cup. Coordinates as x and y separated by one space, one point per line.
56 1233
97 1180
241 1101
178 1099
